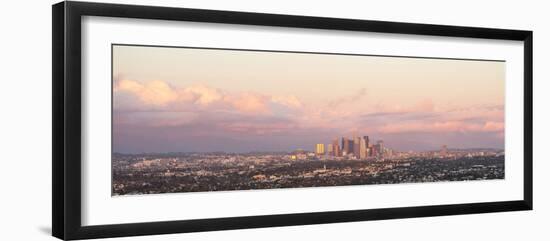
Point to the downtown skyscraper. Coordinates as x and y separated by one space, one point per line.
356 148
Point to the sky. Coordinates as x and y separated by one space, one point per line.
169 99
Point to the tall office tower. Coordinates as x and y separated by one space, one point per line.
380 147
350 146
320 149
362 148
444 150
375 150
356 144
336 147
330 150
343 143
371 149
366 140
345 146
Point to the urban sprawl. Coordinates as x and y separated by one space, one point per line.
344 161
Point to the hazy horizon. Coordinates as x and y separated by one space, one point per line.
290 151
204 100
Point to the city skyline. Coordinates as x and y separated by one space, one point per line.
343 145
198 100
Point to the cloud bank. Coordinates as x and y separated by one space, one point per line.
156 116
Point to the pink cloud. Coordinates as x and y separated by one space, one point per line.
288 101
439 127
160 96
258 128
249 103
173 107
203 95
156 93
493 126
424 105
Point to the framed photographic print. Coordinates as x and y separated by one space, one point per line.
169 120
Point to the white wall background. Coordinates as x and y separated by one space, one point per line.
25 121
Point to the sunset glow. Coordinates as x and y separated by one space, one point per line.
183 99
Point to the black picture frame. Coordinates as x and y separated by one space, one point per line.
66 128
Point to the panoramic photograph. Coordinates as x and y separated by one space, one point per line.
188 119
